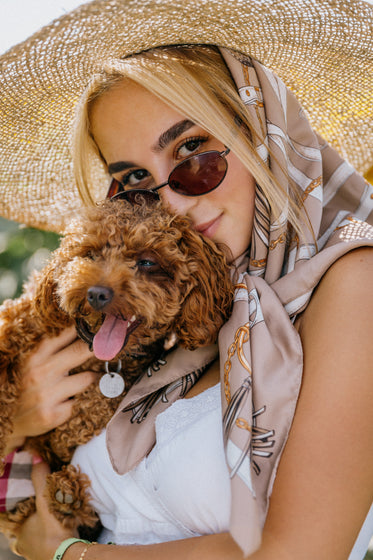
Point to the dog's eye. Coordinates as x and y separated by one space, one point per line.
91 255
147 265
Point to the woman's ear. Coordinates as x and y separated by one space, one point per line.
209 300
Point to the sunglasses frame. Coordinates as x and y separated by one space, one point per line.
152 194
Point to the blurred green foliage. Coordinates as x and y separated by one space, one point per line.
22 250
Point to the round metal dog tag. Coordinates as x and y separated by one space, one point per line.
112 384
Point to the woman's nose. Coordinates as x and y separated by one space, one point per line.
179 203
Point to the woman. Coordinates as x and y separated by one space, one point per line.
145 115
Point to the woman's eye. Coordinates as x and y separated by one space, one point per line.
190 146
136 179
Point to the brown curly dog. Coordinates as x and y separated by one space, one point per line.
130 278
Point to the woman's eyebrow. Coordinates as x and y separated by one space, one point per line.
165 138
119 166
171 134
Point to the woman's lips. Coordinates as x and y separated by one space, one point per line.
208 229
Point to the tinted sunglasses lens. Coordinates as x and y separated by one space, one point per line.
114 189
137 196
199 174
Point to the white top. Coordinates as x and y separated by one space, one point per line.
181 489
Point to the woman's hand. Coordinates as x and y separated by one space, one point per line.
41 534
45 400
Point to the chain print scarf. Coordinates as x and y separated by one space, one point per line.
260 352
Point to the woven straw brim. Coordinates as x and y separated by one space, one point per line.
323 50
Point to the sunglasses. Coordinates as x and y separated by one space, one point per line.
195 176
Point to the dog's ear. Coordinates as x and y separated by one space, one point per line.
208 302
15 320
9 392
45 298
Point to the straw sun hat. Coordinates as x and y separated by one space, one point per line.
322 49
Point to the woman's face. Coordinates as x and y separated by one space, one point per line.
140 136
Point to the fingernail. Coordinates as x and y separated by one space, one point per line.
36 459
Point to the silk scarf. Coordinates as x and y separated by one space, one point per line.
260 351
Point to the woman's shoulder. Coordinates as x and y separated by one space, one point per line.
336 328
353 267
347 284
356 264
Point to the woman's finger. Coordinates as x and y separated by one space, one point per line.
43 369
39 474
55 344
13 546
75 384
70 357
52 405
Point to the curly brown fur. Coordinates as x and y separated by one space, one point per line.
155 267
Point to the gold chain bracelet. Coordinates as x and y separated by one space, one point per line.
85 550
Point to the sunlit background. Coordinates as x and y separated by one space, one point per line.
24 249
21 18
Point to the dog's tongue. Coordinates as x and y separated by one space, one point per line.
109 340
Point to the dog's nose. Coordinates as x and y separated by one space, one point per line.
99 296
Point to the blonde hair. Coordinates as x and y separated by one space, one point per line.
196 82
